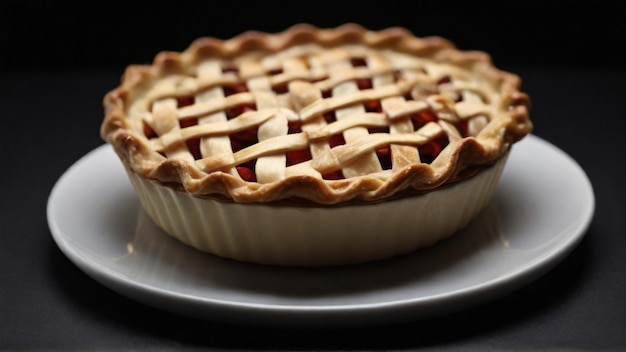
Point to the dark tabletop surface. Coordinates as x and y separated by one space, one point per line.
50 117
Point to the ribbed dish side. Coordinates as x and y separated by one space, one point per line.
315 236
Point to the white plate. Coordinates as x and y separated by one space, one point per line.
543 206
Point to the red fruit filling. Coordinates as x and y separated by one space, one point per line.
246 173
298 156
281 88
364 83
373 106
384 157
330 117
336 140
184 101
335 175
430 150
295 127
187 122
234 89
148 131
243 139
358 61
230 67
193 145
463 129
237 110
444 80
378 130
422 118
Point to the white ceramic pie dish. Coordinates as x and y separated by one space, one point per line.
291 235
524 232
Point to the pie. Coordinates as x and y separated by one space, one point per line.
325 120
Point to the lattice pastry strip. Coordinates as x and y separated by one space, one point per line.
365 162
165 122
211 71
401 155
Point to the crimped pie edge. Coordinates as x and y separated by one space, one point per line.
470 153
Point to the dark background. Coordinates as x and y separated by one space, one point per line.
110 34
58 59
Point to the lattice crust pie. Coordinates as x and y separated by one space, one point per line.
282 148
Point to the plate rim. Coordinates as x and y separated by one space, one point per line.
310 315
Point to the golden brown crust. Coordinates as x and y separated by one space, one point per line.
478 94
